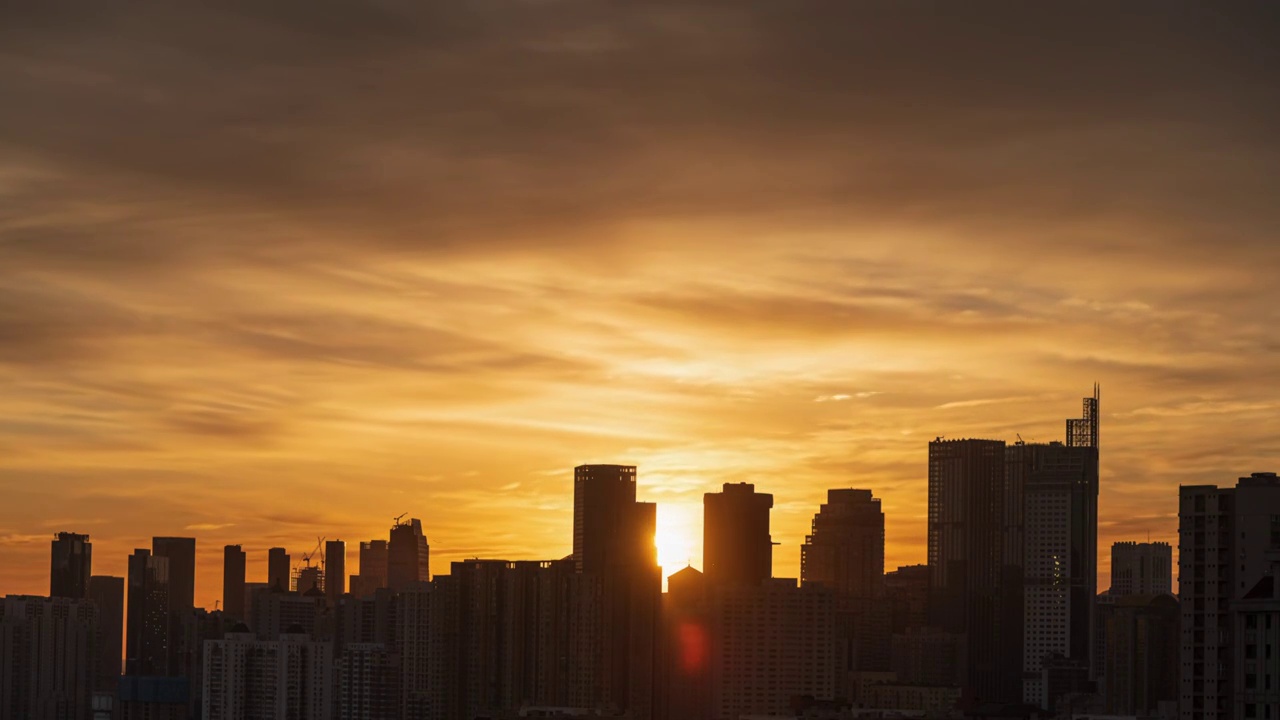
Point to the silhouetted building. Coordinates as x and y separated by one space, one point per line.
613 544
685 648
275 613
278 563
1140 669
1059 484
907 592
335 570
154 698
368 682
107 595
1141 568
286 679
501 636
1225 540
975 585
408 556
233 576
845 553
770 643
147 630
47 657
71 561
736 545
1256 656
928 656
373 569
308 579
183 648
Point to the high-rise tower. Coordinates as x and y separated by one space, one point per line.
278 569
70 566
408 556
613 548
233 573
845 549
972 586
736 546
335 570
1141 568
845 553
1228 540
147 631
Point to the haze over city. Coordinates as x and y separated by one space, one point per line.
276 270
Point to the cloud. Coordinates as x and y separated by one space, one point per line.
305 258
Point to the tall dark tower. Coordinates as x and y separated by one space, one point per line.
603 495
335 570
147 631
845 553
70 565
408 556
736 546
233 573
845 550
181 553
278 569
613 548
107 595
969 579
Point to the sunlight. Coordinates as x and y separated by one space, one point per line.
679 535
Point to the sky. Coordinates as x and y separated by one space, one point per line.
271 271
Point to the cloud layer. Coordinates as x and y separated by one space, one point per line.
274 270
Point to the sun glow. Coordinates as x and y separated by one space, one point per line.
678 536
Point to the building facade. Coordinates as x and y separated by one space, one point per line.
736 545
233 577
48 658
1225 541
286 679
1141 568
71 561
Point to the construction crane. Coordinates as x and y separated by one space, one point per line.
316 551
396 521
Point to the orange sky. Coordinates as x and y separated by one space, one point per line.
268 274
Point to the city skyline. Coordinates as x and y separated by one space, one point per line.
289 561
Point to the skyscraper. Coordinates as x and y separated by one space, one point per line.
335 570
1141 568
373 569
107 595
245 677
70 566
1060 491
278 569
1227 539
183 645
233 574
1140 667
47 658
736 546
845 549
147 630
408 556
181 553
845 553
603 498
973 588
613 544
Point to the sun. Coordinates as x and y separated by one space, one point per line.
678 536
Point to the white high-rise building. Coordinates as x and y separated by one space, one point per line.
286 679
